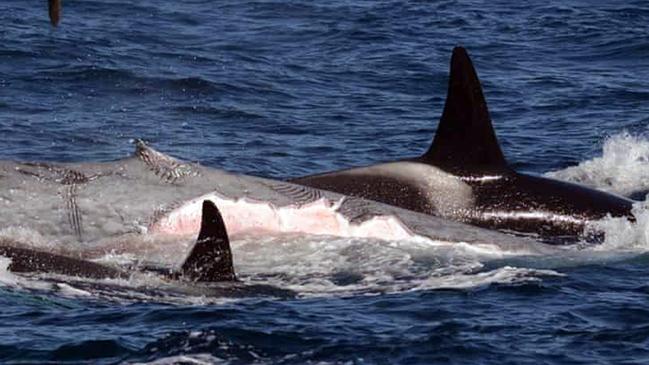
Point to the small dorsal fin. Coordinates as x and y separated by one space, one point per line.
211 258
465 141
55 11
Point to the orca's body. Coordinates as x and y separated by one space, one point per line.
28 260
464 176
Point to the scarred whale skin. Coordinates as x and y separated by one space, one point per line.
464 176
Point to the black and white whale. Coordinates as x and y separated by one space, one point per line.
464 176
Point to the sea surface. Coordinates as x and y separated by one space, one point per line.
287 88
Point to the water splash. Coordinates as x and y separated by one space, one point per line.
622 234
623 167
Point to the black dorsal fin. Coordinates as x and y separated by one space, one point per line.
211 258
465 142
55 11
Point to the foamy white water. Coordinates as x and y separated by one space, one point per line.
624 235
623 167
194 359
311 266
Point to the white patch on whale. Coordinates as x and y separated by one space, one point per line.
446 192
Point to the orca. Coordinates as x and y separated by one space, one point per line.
210 260
464 176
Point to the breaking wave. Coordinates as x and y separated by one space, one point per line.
193 359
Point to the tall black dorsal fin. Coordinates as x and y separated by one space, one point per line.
465 142
211 258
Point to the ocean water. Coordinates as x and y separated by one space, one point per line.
287 88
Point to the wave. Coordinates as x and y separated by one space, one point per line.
622 168
214 112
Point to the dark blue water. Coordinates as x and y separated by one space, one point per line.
287 88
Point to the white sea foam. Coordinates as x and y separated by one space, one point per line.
193 359
624 235
25 236
623 167
70 291
311 266
335 266
6 277
504 275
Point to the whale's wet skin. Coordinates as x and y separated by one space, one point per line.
464 176
287 89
